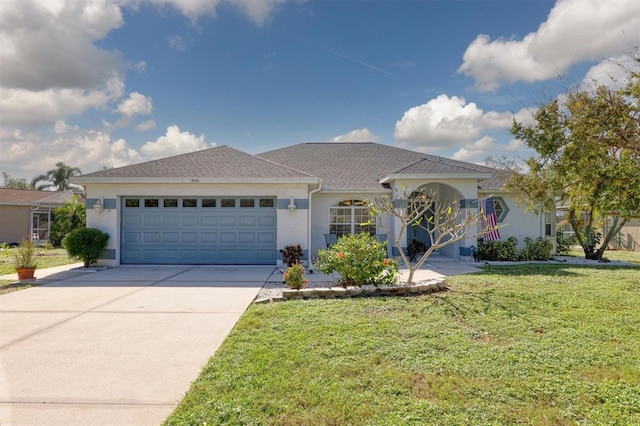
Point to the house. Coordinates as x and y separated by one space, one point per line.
28 214
224 206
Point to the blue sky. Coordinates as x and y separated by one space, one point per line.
105 83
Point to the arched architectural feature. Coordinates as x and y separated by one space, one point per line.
444 193
350 216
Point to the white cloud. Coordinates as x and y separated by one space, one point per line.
146 125
480 148
135 104
613 73
514 145
175 42
358 135
88 150
174 142
446 122
575 31
258 11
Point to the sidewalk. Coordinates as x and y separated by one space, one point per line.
50 274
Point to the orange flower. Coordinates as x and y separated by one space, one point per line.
385 262
340 255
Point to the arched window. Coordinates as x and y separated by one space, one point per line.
350 217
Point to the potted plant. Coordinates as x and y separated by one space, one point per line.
25 259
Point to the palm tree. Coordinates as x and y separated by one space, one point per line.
57 178
72 215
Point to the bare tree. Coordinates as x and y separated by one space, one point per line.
444 222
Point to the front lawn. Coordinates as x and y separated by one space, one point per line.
525 344
46 259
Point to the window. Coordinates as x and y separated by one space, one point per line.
189 202
498 207
208 202
350 217
170 202
151 202
247 202
548 225
266 202
132 202
228 202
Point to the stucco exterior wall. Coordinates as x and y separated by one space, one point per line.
628 238
320 204
521 224
291 227
14 223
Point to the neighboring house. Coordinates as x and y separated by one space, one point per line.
27 214
224 206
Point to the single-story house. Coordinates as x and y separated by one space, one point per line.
28 214
224 206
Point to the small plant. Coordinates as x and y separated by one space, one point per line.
47 247
498 250
291 255
294 276
86 244
359 259
25 255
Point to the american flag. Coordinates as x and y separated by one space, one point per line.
489 220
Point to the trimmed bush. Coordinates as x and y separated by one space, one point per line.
538 249
86 244
498 250
359 259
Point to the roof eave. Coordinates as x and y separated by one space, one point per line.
422 176
355 190
195 180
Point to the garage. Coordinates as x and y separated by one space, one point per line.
203 230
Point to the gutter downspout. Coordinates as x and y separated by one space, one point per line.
309 224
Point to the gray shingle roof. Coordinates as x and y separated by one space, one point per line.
217 162
33 197
362 165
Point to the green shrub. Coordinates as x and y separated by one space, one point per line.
563 244
538 249
294 276
86 244
359 259
498 250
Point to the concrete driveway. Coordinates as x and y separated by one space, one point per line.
115 347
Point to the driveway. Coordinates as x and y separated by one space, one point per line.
115 347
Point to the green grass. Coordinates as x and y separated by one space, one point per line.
46 259
524 344
626 256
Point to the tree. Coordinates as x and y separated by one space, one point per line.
14 183
445 224
57 178
71 215
588 154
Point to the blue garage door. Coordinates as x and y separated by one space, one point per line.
198 230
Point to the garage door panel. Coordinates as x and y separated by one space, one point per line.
131 237
170 220
247 220
151 237
190 221
266 221
189 237
151 220
209 220
199 235
209 237
246 237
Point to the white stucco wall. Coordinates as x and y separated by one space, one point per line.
320 204
291 227
521 224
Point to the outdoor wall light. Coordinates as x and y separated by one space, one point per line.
292 204
99 205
